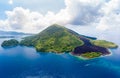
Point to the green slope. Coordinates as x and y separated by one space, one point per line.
104 43
55 38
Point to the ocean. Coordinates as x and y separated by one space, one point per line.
25 62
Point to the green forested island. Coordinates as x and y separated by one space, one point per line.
59 39
10 43
91 54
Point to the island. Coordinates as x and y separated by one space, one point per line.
90 55
9 43
59 39
7 36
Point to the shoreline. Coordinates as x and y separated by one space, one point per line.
83 58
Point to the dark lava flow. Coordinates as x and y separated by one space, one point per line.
88 47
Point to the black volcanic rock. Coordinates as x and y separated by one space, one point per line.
83 49
88 47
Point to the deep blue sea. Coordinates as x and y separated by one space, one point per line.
25 62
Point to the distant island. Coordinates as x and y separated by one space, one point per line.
59 39
12 33
7 36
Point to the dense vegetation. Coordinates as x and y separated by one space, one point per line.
91 54
10 43
54 39
104 43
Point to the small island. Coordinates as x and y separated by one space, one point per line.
58 39
10 43
90 55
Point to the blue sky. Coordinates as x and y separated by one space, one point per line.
41 5
33 16
35 5
3 7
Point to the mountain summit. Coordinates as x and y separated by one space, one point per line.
55 38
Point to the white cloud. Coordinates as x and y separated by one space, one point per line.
83 11
24 20
77 12
10 2
111 16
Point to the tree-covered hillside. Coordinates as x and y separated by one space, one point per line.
104 43
10 43
55 38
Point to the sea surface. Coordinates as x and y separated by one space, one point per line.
25 62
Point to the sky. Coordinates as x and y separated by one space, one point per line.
32 16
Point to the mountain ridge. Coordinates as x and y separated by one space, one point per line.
55 38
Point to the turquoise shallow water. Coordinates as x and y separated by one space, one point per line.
25 62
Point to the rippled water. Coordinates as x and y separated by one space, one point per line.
25 62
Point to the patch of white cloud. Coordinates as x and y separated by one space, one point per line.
102 14
111 15
10 2
83 12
